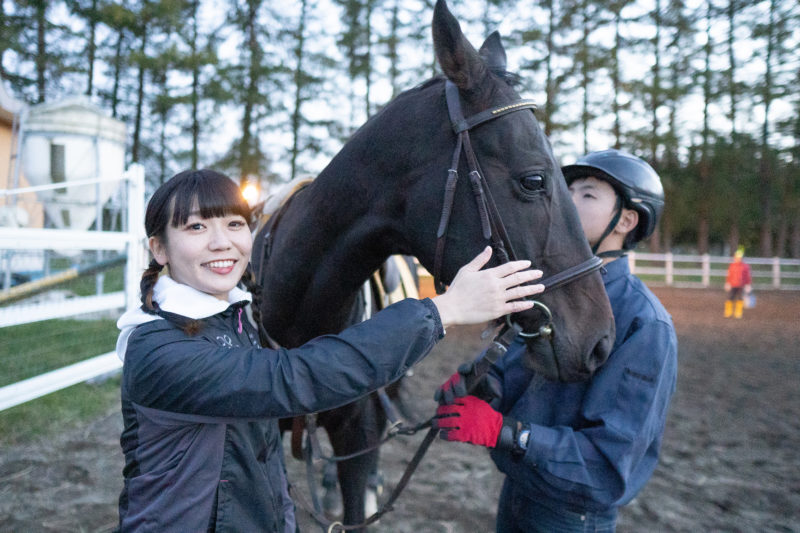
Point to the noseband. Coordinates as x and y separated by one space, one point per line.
492 226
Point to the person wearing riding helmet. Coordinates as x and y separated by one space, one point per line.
573 453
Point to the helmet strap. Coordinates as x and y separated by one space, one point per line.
611 225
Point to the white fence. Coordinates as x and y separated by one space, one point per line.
27 240
695 271
707 271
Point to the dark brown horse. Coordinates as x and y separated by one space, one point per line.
383 194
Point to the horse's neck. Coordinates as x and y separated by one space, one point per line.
323 251
341 228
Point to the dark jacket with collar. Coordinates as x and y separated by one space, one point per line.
594 445
201 440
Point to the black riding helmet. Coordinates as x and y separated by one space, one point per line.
636 183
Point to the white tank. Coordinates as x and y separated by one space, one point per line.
72 140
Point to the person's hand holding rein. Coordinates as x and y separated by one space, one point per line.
477 295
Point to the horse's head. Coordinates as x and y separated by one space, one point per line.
533 203
384 193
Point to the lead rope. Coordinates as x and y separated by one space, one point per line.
496 350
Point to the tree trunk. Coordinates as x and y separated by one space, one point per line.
41 49
616 79
733 236
550 85
765 170
195 97
782 238
117 72
655 94
392 53
368 59
731 72
704 208
298 87
137 125
92 47
794 245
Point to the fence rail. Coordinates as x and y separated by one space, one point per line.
668 269
708 271
15 243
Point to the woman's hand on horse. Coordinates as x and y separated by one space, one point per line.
477 295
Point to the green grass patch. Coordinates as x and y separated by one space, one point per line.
32 349
57 412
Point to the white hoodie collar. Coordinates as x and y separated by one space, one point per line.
177 298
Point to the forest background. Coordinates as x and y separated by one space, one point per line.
707 91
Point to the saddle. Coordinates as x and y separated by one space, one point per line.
263 211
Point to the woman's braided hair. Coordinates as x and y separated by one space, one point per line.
212 193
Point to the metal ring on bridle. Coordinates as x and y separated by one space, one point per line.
544 330
335 526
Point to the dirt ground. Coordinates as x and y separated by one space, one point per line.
730 459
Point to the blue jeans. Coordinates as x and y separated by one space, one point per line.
517 513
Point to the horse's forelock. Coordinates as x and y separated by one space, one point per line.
512 79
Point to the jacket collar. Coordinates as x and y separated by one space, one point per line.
618 268
180 299
183 300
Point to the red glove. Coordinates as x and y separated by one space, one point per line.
470 419
454 387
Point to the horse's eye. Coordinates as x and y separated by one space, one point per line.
532 183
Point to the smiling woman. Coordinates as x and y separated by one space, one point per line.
201 398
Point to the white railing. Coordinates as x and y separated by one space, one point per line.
27 240
708 271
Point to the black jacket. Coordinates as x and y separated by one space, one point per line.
201 441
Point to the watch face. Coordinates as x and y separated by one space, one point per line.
523 439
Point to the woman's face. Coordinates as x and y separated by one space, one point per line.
208 254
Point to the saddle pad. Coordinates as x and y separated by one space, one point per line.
276 199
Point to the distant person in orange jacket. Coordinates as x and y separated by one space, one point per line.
737 284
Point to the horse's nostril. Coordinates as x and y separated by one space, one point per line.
600 353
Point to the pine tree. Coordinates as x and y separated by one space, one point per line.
39 64
89 12
115 53
308 77
543 41
12 46
776 37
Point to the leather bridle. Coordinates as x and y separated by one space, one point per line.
492 227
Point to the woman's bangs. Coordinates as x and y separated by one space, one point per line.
212 194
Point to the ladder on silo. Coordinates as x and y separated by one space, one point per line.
16 143
13 175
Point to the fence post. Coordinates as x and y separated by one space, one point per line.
706 267
136 237
776 273
632 261
669 269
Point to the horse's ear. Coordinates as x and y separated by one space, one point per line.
459 60
493 53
